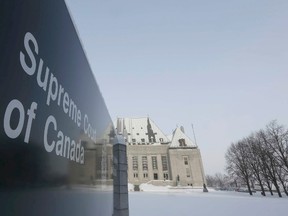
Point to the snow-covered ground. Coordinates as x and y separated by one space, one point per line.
165 201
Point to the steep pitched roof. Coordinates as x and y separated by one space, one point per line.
135 130
180 140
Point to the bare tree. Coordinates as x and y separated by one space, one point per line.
237 163
220 181
269 161
254 150
211 182
277 141
261 158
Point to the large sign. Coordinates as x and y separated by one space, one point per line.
55 130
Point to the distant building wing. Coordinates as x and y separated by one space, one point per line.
180 139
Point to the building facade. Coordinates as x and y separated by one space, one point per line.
158 159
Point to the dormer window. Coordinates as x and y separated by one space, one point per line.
182 142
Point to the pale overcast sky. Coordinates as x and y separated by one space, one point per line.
221 65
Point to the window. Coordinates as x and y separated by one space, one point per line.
134 141
137 133
135 175
164 163
155 176
143 141
185 158
135 162
161 140
154 163
165 176
144 163
145 175
182 142
188 173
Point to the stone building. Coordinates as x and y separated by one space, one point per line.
158 159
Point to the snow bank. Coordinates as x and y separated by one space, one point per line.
150 187
146 187
197 203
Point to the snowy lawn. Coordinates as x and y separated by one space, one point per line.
185 202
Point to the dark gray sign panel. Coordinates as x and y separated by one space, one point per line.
55 130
